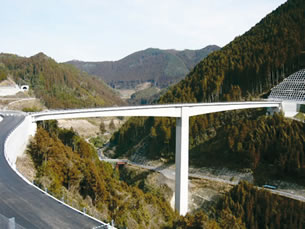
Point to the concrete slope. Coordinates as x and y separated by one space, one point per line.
30 207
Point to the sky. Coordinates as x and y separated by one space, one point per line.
100 30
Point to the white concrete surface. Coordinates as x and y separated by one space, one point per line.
168 110
16 143
6 91
290 108
182 163
290 114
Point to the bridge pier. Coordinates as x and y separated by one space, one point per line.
182 163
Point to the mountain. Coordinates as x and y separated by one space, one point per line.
244 69
251 64
58 85
161 67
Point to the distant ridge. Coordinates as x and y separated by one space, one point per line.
161 67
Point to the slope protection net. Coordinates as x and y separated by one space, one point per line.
291 88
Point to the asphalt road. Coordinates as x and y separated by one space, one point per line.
31 208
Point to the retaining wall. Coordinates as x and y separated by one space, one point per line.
290 108
5 91
16 142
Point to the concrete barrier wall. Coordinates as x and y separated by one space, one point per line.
290 108
16 142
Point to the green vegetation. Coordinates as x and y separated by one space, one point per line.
102 127
175 67
252 208
146 96
248 207
302 108
3 72
270 144
144 179
58 85
65 163
97 141
300 116
31 109
161 67
275 140
111 125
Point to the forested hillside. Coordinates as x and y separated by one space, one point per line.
69 168
3 72
57 85
244 69
161 67
252 63
259 209
248 207
266 143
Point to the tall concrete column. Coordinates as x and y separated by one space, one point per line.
182 163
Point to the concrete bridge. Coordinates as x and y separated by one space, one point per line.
181 112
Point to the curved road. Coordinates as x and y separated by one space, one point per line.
31 208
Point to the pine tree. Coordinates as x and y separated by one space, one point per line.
102 127
112 125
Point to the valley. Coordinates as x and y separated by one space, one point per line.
207 186
142 77
246 161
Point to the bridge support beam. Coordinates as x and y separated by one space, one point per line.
182 163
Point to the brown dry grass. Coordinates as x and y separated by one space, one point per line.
25 166
82 126
21 104
90 127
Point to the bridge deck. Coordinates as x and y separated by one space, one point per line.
169 110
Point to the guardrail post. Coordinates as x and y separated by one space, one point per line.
182 163
11 223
